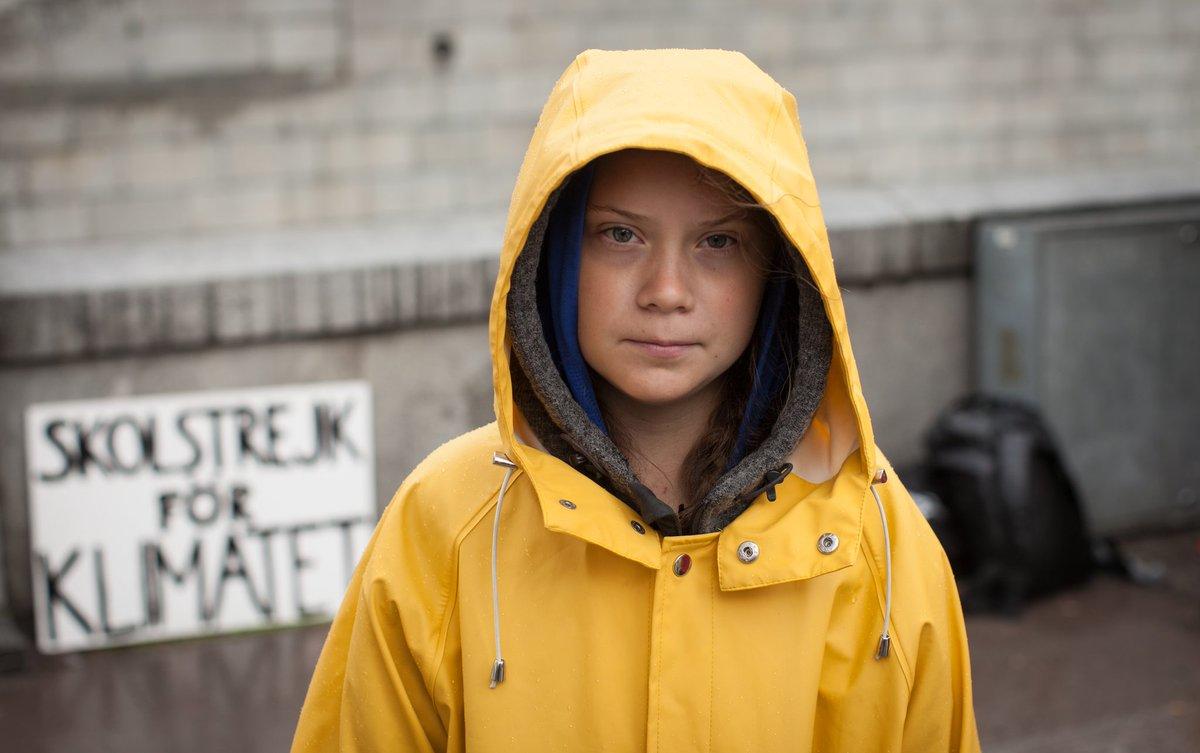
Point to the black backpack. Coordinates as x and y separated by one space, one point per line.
1012 524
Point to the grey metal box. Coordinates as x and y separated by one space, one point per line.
1094 316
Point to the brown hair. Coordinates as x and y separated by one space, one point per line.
706 461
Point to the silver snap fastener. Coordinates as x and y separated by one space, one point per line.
637 526
567 504
747 551
828 543
683 563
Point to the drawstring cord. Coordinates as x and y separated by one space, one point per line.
498 458
885 638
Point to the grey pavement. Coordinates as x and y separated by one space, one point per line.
1109 668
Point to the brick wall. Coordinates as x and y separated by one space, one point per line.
124 120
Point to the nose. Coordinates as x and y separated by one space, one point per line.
667 284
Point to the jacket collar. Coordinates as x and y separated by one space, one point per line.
577 506
786 531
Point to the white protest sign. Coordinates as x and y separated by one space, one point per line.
174 515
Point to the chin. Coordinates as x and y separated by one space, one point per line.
660 391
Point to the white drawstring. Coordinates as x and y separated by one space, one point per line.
497 676
885 639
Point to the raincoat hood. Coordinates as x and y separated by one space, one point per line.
722 111
821 615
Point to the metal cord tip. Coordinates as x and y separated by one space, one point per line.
884 647
497 673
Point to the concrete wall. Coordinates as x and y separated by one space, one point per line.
912 342
428 386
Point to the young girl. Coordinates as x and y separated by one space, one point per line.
678 534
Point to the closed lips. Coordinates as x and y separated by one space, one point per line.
663 348
664 343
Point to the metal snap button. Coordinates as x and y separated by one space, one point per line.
637 526
747 551
567 504
828 543
683 563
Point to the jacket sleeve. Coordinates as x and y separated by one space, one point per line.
368 692
929 635
941 711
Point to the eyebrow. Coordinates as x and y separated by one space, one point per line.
735 215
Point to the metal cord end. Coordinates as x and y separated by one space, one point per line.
497 673
884 647
499 458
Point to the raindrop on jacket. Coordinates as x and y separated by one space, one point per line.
508 601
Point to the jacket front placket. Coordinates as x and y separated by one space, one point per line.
679 714
771 543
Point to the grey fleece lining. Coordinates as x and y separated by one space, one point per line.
567 433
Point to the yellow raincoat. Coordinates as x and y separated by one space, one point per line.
770 642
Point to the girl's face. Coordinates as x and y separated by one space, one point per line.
668 287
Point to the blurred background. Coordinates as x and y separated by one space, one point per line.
258 218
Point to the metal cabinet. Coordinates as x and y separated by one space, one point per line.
1094 316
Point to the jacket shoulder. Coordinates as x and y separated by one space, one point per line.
462 459
435 505
929 634
409 571
448 489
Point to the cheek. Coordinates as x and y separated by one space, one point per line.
737 304
595 305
